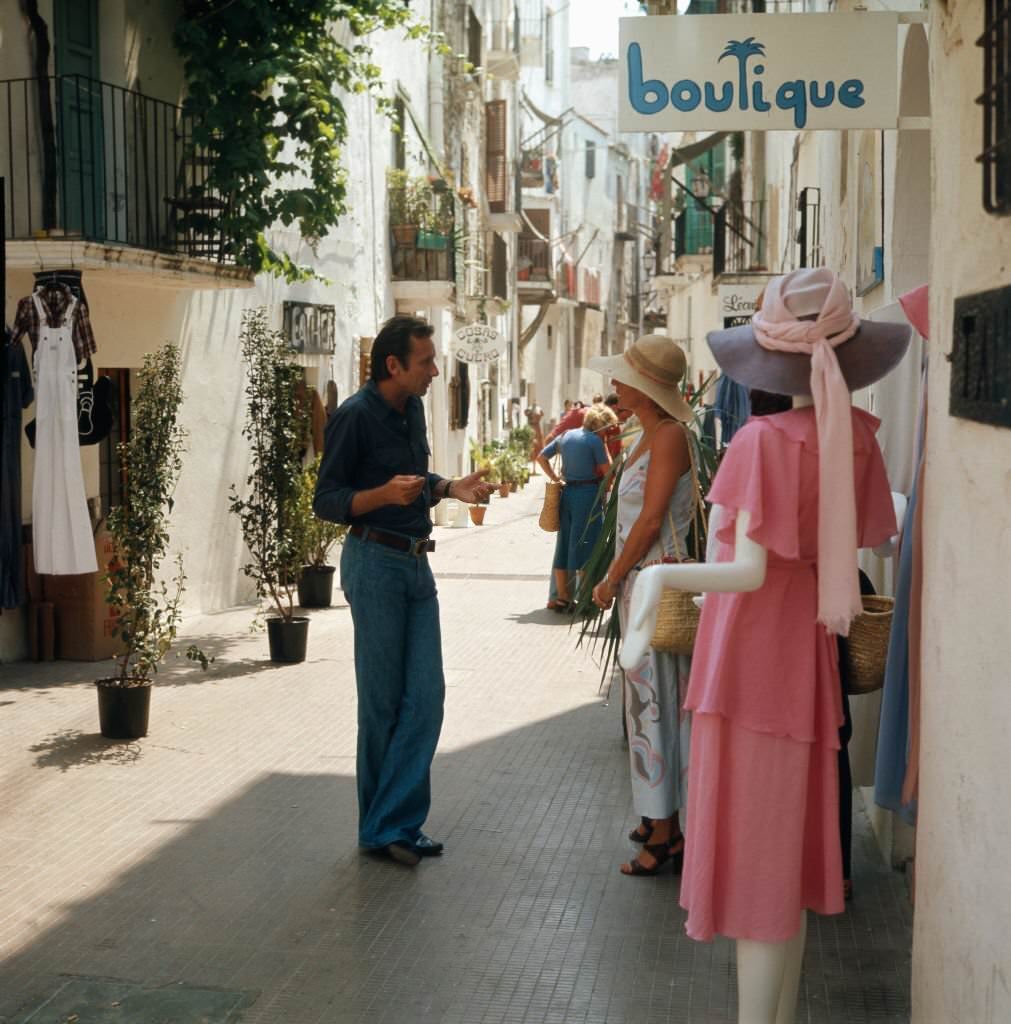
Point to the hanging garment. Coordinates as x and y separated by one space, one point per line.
762 842
16 394
658 727
732 406
61 528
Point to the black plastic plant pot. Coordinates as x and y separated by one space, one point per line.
315 586
123 710
287 639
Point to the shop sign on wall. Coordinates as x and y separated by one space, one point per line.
310 329
478 343
737 301
750 72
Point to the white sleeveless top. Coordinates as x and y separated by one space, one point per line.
631 491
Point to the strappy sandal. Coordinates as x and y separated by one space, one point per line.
642 831
661 853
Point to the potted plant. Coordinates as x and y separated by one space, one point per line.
316 539
437 217
145 602
402 192
274 430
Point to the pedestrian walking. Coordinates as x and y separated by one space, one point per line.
656 499
584 463
375 478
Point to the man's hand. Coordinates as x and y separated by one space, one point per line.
473 489
403 490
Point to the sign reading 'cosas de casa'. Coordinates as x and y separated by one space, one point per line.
759 72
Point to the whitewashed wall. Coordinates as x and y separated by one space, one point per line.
961 951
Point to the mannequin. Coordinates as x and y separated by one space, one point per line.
768 974
796 495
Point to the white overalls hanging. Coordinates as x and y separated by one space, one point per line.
61 528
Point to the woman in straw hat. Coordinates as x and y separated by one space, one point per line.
795 496
656 497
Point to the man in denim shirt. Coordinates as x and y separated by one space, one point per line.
374 476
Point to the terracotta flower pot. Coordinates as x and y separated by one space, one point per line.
503 490
477 514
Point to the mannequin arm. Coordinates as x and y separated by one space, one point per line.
746 572
890 546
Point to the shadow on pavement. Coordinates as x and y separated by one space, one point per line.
75 749
269 897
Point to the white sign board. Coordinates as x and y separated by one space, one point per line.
737 301
759 72
478 343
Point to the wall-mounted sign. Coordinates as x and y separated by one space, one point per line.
310 329
737 301
748 72
478 343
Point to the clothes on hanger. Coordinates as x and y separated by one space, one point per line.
61 527
54 298
16 394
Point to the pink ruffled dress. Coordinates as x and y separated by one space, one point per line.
762 836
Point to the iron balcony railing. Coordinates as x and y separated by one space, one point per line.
422 232
739 238
86 159
534 260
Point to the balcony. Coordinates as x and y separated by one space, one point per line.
422 232
739 239
534 270
502 56
93 166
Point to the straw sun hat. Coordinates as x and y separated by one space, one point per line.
654 365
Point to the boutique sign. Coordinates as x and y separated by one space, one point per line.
759 72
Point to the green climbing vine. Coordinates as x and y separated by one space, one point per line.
266 81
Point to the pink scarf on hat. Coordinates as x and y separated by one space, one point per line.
778 330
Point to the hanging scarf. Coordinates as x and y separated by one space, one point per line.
778 330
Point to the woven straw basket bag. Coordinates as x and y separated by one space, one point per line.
865 650
677 618
549 518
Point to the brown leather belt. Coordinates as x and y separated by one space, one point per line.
394 540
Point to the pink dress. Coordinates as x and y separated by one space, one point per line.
762 836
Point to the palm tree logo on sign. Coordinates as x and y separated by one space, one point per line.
742 50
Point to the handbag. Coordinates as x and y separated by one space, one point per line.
677 617
550 517
865 651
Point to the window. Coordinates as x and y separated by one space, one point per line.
475 39
591 158
549 47
399 135
499 267
996 104
496 165
809 231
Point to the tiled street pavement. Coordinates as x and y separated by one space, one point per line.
209 872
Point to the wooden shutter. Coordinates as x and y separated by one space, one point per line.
496 170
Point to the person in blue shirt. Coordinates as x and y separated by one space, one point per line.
374 477
584 462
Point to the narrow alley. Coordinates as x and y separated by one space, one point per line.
209 872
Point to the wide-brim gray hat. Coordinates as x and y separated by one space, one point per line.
872 352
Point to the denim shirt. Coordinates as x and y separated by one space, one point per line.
367 443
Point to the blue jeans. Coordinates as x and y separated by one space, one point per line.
579 525
398 670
